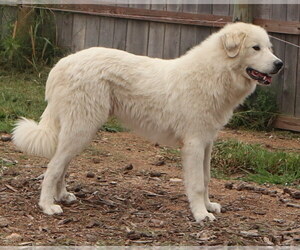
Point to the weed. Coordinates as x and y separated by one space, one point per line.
256 163
30 40
257 113
113 126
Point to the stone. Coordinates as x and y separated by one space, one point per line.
5 138
3 222
90 175
14 237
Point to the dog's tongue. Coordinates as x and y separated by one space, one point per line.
265 78
269 79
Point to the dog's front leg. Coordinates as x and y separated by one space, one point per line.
193 155
210 206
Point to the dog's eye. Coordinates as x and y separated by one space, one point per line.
256 47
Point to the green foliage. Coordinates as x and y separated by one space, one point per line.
256 163
34 48
21 94
113 126
257 112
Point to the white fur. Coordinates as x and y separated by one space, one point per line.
183 101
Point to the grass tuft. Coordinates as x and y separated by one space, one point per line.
256 163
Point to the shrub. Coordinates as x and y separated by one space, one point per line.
258 111
30 43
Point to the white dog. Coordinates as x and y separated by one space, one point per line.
183 101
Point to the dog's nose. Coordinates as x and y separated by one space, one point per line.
278 65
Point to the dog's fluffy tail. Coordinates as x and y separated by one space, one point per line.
37 138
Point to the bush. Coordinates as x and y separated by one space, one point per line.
30 40
258 111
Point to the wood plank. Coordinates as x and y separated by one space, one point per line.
79 29
144 14
8 20
297 104
137 34
122 3
277 26
279 13
156 35
172 35
67 33
1 16
58 26
92 31
175 17
188 38
106 36
262 11
242 12
220 9
120 34
1 21
290 70
204 9
203 32
287 122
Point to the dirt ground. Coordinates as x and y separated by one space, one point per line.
130 192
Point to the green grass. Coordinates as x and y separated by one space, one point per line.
256 163
21 94
113 126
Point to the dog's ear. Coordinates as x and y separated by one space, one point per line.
233 42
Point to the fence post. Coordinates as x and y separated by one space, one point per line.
242 12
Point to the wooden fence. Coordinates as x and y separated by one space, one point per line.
168 31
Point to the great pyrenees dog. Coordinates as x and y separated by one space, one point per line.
183 101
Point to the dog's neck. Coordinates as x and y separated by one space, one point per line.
226 88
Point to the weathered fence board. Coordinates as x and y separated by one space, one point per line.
291 60
203 32
9 16
156 35
79 29
279 13
67 30
172 35
188 36
106 36
137 35
92 31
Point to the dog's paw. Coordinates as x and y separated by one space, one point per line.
201 216
68 198
51 209
214 207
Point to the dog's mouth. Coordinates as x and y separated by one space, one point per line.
262 78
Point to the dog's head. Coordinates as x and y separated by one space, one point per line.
250 46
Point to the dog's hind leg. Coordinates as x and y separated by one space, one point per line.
61 191
210 206
75 134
